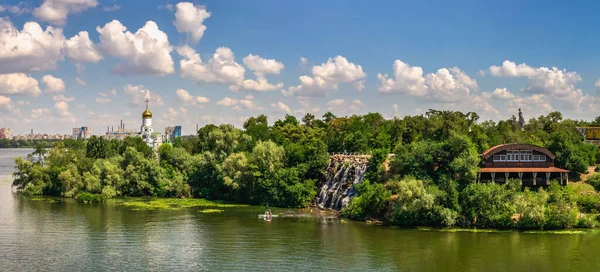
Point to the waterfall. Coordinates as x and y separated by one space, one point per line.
341 176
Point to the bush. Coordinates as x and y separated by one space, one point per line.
414 205
85 197
561 216
594 180
488 205
587 221
371 202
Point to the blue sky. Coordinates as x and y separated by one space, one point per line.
444 53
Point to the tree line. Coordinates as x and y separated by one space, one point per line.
430 181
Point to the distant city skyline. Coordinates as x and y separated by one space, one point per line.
66 64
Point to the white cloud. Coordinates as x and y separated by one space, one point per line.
220 68
63 98
102 100
62 109
356 105
445 85
113 92
31 49
263 66
499 93
145 52
359 85
396 110
103 94
511 69
327 76
80 48
237 104
80 68
138 95
187 99
80 81
19 9
227 102
23 103
190 19
40 114
280 106
56 11
407 80
53 84
303 60
260 84
18 84
336 104
542 80
114 7
5 104
537 104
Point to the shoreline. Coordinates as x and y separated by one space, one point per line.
216 206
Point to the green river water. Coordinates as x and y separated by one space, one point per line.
38 235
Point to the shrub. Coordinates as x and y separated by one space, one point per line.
371 201
587 221
594 180
561 216
85 197
414 205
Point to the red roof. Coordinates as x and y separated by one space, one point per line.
523 170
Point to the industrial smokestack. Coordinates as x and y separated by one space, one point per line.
112 129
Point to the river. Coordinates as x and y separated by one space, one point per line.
37 235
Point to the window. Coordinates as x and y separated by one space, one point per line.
496 158
503 157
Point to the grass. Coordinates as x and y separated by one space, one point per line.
174 204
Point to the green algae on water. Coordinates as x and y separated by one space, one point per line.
211 211
174 203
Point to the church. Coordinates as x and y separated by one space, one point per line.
152 139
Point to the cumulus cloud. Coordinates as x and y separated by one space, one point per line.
340 105
406 80
499 93
18 84
327 76
53 84
62 109
446 85
145 52
5 104
303 60
39 114
260 67
542 80
31 49
537 104
511 69
239 104
220 68
23 103
56 11
80 48
138 95
280 106
187 99
189 19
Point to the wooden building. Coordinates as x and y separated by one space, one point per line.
533 165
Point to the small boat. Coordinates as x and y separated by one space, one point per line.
263 216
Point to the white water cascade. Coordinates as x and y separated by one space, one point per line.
341 177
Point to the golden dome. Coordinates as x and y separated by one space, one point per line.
146 114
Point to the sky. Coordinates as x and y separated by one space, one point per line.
74 63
